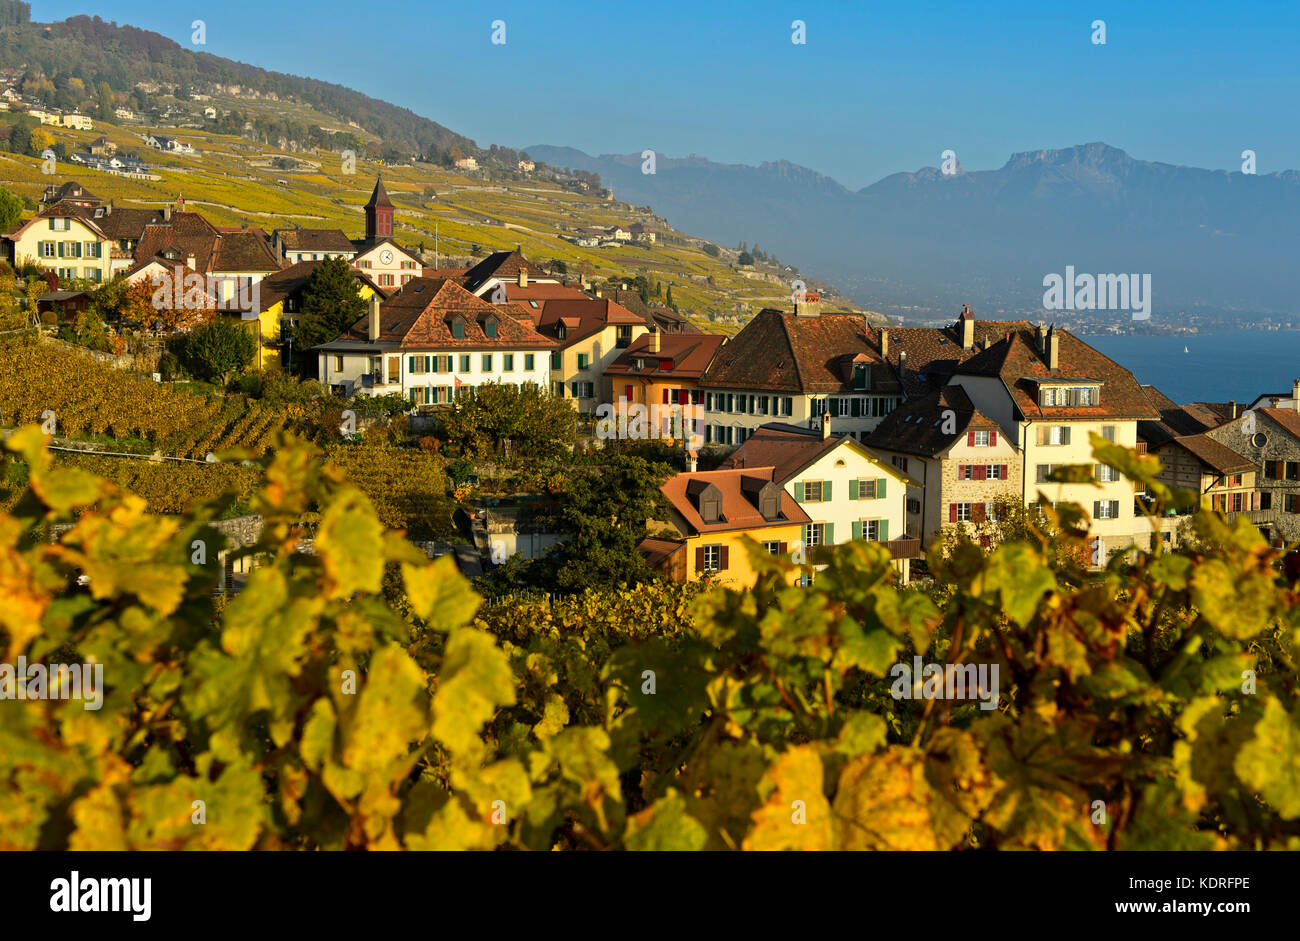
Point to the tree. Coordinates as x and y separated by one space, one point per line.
218 350
330 305
11 210
603 512
745 259
539 426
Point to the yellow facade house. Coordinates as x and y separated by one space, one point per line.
712 511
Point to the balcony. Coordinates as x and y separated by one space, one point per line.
373 381
903 548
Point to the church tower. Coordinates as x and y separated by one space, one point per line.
379 214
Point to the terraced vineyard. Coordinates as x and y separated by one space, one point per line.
84 397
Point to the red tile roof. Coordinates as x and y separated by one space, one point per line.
315 240
782 352
788 449
1016 361
1212 454
738 510
916 426
689 353
582 318
421 315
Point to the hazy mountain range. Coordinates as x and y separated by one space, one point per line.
1213 241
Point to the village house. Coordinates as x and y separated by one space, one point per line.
848 492
298 244
64 239
280 299
798 366
711 512
1270 439
1048 391
960 462
588 335
661 368
431 339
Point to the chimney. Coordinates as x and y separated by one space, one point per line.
1295 394
167 213
1042 339
1053 348
523 277
191 262
826 426
884 344
808 305
967 321
692 461
654 341
374 317
1232 408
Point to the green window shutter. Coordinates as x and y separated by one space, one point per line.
830 534
857 529
798 495
880 488
410 363
884 530
853 492
804 535
826 491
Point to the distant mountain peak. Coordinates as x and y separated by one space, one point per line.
1096 155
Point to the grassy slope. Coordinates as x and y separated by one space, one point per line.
230 183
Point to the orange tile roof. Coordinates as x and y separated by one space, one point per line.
738 511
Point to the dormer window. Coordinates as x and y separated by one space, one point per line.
458 329
1069 396
861 376
560 331
490 328
769 502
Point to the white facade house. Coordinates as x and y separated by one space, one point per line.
432 339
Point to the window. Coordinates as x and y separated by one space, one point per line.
867 489
93 250
899 462
582 390
490 329
418 365
996 472
1108 432
861 376
1234 480
386 280
584 360
1106 474
45 249
1266 500
1291 503
869 530
913 505
557 360
965 471
1054 434
816 534
810 491
338 363
487 362
458 329
530 360
1044 471
1105 509
963 512
622 336
464 363
772 547
712 558
508 362
1293 470
981 439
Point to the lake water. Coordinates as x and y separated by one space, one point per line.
1217 367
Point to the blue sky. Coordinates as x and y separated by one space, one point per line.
876 88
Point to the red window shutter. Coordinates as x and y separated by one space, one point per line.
627 393
666 391
782 548
981 472
1004 472
952 512
993 438
977 512
699 560
726 555
961 471
683 396
970 439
